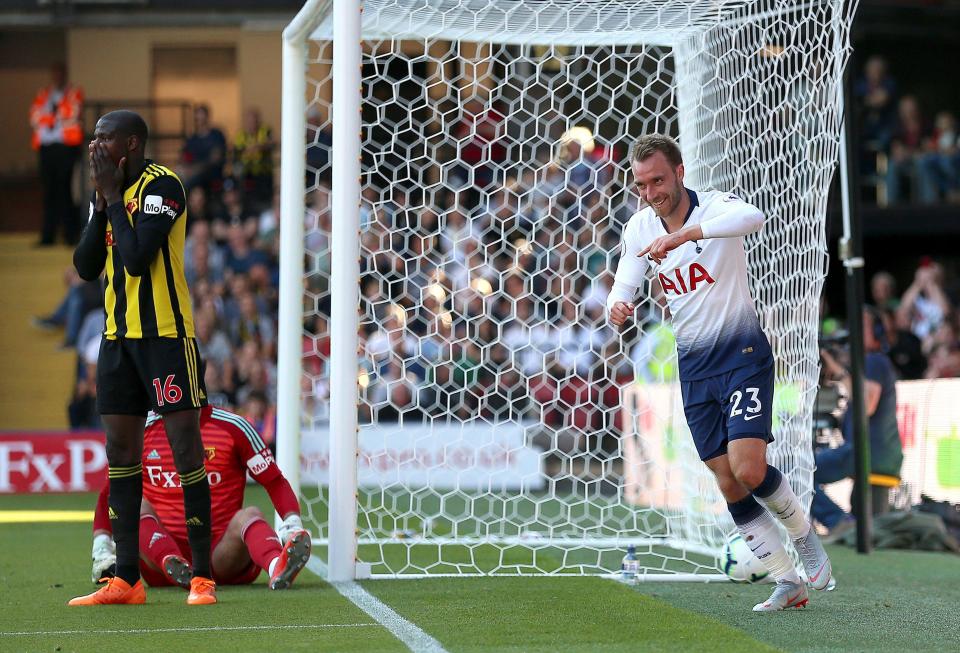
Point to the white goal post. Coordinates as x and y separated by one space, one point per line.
446 382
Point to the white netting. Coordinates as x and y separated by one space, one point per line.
504 428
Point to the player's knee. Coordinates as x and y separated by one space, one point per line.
121 453
729 487
187 455
249 514
750 476
245 517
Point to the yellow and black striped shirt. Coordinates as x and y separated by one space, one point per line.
146 292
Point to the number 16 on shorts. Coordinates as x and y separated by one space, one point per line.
168 392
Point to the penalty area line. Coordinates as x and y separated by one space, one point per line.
406 631
197 629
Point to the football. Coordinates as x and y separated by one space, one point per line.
739 563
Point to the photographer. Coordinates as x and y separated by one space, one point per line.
880 403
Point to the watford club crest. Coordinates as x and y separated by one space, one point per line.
210 452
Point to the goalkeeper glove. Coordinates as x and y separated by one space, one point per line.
104 556
290 525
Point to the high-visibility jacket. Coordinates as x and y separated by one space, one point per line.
65 115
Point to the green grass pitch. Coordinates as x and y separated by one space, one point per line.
888 601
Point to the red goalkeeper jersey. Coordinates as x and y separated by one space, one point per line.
231 446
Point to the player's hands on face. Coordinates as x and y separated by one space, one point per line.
101 203
107 176
620 313
657 250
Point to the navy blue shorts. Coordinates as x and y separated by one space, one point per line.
735 404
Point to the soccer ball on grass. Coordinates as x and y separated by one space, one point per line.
739 563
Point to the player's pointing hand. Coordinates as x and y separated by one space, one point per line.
620 312
657 250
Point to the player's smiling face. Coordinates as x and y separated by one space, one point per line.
658 183
108 133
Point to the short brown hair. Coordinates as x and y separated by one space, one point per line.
647 146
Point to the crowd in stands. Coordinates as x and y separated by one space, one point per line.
921 323
486 301
912 152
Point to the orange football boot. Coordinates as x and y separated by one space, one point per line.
116 592
203 591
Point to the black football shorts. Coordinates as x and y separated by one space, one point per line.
135 375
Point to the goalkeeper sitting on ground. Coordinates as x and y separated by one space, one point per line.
242 541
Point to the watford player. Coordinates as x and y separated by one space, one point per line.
243 541
148 356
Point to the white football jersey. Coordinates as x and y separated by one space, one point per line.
704 282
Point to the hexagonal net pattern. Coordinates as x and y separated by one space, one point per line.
505 428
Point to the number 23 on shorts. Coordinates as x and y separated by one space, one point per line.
752 407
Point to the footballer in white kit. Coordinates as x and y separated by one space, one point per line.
692 243
721 348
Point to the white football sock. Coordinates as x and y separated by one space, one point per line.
785 506
763 538
272 565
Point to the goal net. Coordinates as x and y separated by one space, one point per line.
503 428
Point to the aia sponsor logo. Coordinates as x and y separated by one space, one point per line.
681 284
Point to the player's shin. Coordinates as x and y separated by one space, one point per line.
759 531
776 494
263 545
196 509
155 542
126 491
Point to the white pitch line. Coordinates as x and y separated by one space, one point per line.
406 631
198 629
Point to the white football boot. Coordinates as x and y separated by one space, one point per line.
815 560
785 595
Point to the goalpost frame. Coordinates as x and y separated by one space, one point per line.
345 269
344 275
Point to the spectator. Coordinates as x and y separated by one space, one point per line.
240 254
944 362
203 259
198 209
55 117
480 132
82 297
251 323
875 94
906 350
907 143
82 410
232 210
883 287
219 387
925 304
880 402
203 154
319 140
253 159
213 343
268 227
939 172
258 411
